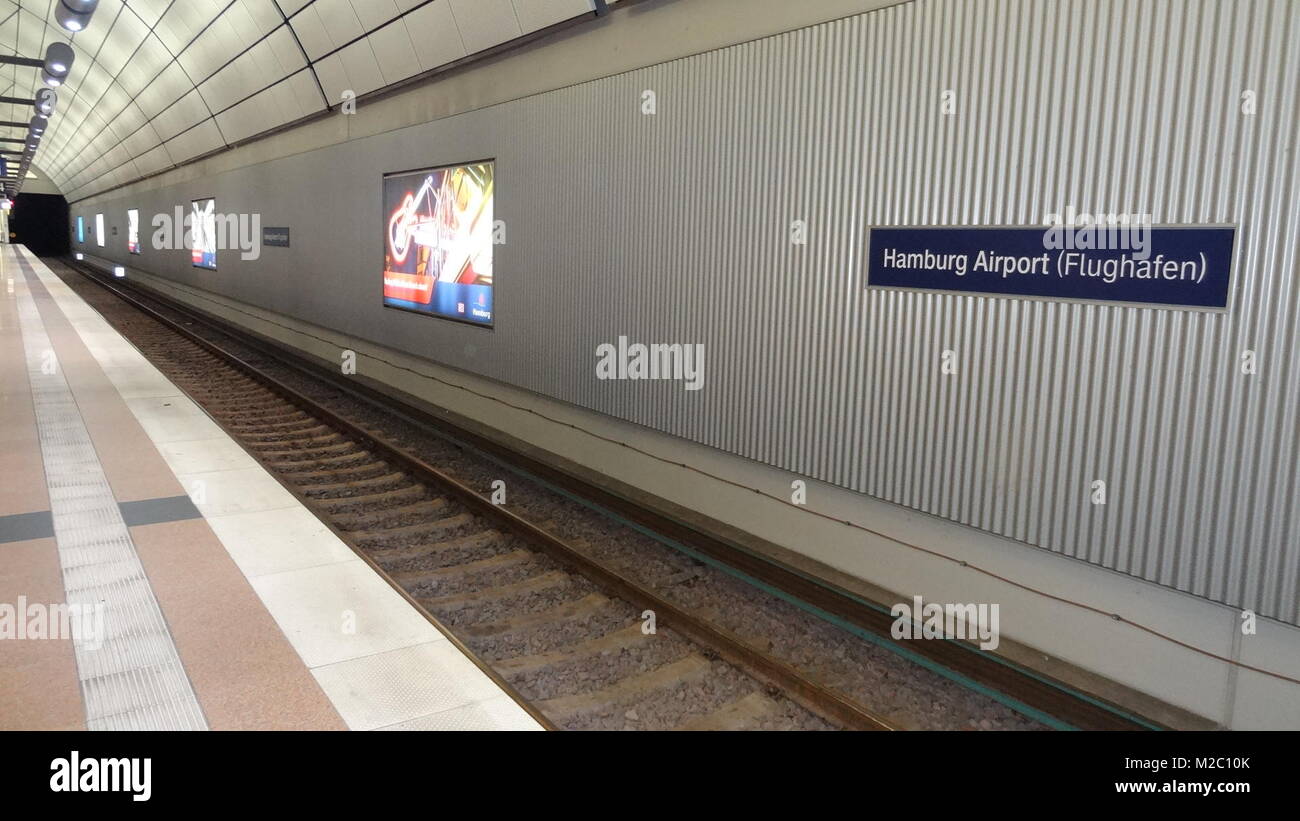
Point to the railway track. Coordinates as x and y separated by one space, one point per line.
577 579
579 644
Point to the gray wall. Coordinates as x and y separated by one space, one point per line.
675 227
42 184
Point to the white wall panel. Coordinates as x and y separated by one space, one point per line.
538 14
485 23
435 35
199 140
392 46
361 67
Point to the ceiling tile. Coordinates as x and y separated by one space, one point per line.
538 14
125 37
131 105
187 111
375 13
150 59
291 6
312 34
485 23
392 46
362 68
434 33
198 140
148 10
339 19
184 20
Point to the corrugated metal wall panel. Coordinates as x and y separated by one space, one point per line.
1103 106
676 227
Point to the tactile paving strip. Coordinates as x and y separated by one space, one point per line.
131 675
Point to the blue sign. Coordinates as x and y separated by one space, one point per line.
455 300
464 301
1116 263
275 237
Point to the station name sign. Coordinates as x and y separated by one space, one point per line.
1162 265
275 237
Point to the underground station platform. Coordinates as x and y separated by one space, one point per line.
751 373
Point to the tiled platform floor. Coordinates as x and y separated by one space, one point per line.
278 624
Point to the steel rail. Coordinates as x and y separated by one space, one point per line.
756 663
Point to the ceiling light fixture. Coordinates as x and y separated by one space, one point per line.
58 62
74 15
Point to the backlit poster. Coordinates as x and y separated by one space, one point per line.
203 230
438 242
133 231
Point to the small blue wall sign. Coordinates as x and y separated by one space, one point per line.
275 237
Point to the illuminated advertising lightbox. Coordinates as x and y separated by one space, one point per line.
203 229
81 229
99 230
133 230
438 242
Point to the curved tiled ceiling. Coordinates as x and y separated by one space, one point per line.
159 82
